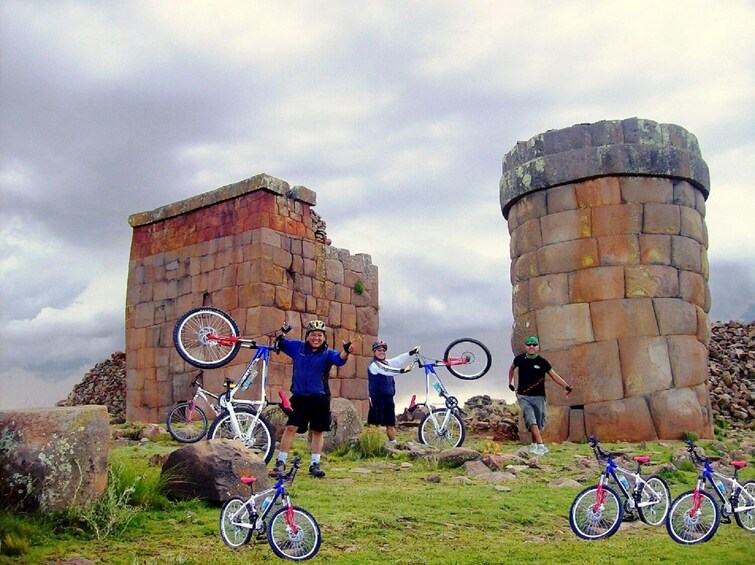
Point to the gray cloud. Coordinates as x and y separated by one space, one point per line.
398 117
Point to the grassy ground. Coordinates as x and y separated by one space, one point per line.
376 510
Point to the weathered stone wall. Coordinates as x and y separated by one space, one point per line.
257 250
53 458
609 267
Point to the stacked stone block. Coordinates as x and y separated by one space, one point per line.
609 267
257 250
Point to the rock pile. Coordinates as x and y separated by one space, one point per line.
731 373
482 415
493 418
105 384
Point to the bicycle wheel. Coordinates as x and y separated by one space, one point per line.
235 527
592 519
436 435
261 439
688 526
474 354
656 492
746 518
294 534
186 422
190 336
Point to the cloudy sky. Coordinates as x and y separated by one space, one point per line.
397 114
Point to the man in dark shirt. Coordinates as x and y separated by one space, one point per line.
531 389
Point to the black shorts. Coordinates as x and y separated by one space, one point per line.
382 412
310 412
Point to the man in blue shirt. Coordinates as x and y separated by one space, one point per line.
310 398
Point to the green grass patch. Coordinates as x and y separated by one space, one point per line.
374 508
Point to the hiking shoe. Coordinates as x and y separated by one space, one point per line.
541 449
280 466
533 448
315 471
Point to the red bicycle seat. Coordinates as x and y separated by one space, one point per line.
642 459
739 464
248 480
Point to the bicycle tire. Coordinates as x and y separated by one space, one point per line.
234 536
588 524
186 422
190 337
452 436
477 354
300 545
262 441
689 530
654 514
746 519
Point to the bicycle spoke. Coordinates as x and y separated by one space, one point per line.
294 534
693 518
596 513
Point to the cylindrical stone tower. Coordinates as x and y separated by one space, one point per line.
609 267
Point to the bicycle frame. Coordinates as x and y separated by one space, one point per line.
614 471
431 375
261 355
279 494
203 393
709 475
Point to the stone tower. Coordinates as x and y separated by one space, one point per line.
609 267
257 250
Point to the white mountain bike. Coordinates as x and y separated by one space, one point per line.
443 426
208 338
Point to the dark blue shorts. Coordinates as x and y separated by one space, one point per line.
310 412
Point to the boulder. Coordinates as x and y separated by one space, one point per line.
457 456
212 470
53 458
345 427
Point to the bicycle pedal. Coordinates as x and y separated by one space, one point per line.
726 519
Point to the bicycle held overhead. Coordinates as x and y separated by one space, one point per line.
443 426
209 338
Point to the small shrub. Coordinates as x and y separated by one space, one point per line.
491 448
108 517
371 442
14 534
359 286
687 466
690 436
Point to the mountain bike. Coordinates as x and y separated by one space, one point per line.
598 510
443 426
695 514
186 421
292 532
208 338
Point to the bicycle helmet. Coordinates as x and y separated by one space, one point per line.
379 343
315 326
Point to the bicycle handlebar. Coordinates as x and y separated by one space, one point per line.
600 453
693 454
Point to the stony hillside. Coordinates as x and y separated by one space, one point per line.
731 385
